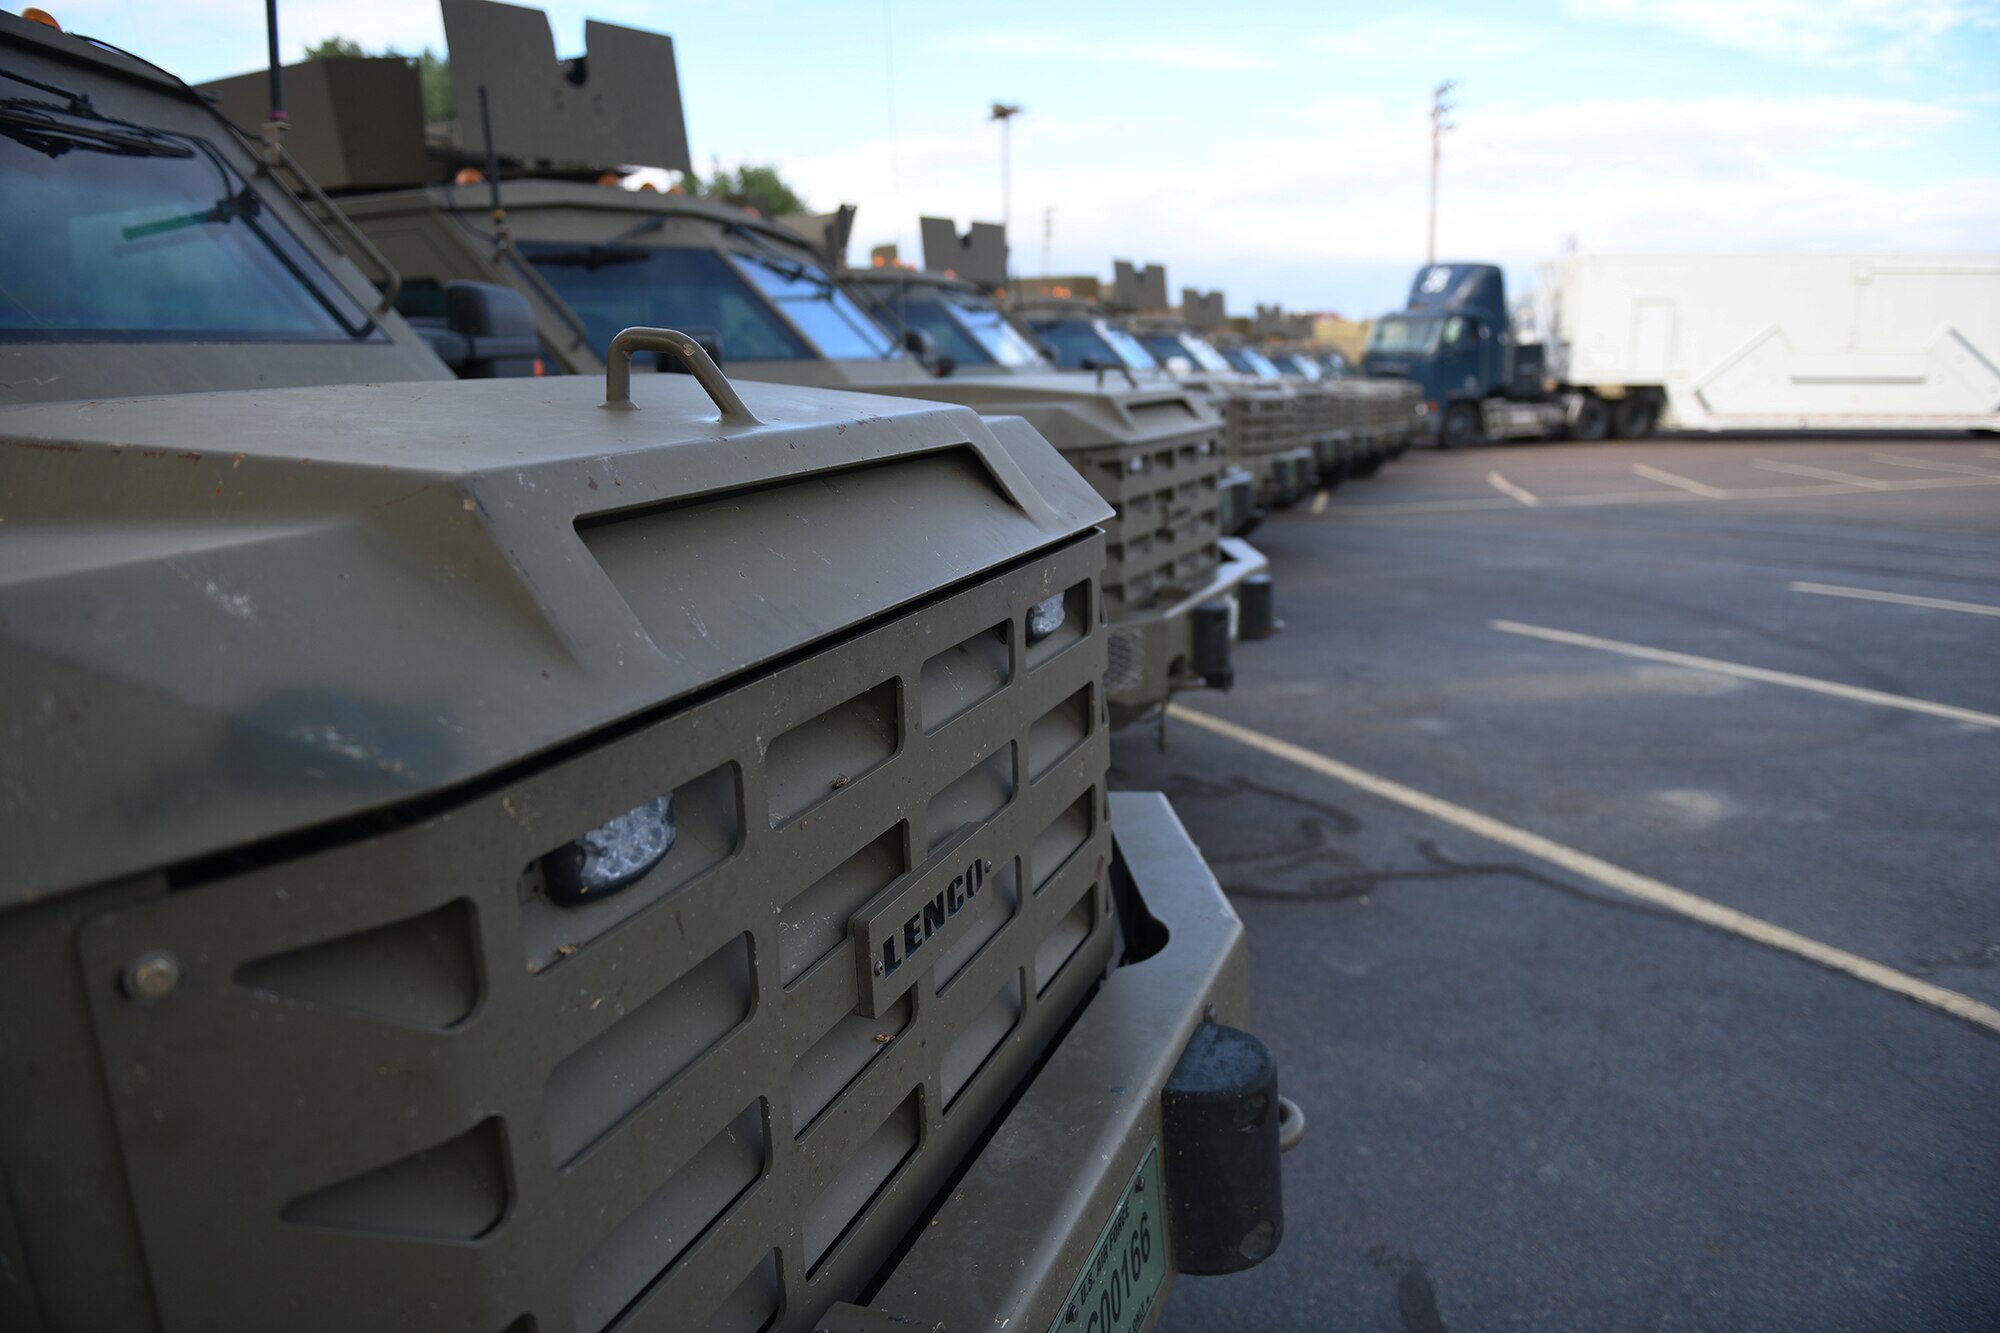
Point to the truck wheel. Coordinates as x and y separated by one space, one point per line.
1634 418
1461 426
1593 420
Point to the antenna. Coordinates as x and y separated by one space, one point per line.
503 240
1439 110
1048 230
274 127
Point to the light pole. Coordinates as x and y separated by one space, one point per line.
1439 109
1005 114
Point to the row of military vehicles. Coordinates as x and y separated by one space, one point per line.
503 839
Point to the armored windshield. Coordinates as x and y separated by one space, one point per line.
928 314
1127 347
983 320
1251 362
1292 363
1405 335
1075 342
617 287
1195 351
120 233
825 314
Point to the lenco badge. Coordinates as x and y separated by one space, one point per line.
906 926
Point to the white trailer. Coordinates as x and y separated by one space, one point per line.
1782 341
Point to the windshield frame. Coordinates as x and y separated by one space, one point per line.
1021 354
297 272
1249 361
547 258
752 265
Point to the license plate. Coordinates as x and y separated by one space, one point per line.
1119 1287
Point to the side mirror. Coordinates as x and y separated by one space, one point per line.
489 332
710 342
944 365
921 345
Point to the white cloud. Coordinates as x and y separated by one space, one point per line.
1204 53
1316 198
1813 32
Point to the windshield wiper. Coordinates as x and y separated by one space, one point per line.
53 132
229 208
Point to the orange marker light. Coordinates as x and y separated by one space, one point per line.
34 15
468 176
610 178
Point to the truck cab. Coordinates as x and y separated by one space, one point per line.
1452 341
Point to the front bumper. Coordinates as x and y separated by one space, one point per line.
1152 654
1005 1247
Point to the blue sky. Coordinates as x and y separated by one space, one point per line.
1279 151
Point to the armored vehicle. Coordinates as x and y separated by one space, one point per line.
1272 431
554 854
592 259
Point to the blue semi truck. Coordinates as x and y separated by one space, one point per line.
1480 381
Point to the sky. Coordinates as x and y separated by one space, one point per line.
1280 152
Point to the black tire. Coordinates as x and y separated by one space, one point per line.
1634 418
1461 428
1593 420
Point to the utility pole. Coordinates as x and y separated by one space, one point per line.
1439 110
1005 114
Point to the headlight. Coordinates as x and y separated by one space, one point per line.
1045 618
613 854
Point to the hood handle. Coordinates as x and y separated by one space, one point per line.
618 371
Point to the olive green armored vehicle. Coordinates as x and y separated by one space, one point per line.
962 321
1264 430
593 259
1326 455
612 852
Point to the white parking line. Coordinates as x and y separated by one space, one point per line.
1319 501
1689 485
1900 598
1508 488
1617 499
1598 871
1811 684
1824 474
1904 460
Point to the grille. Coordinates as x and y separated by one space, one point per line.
1166 536
1127 662
1260 423
1382 408
401 1088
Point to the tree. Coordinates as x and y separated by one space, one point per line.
758 187
432 69
335 48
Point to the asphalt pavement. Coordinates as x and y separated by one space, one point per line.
1636 958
